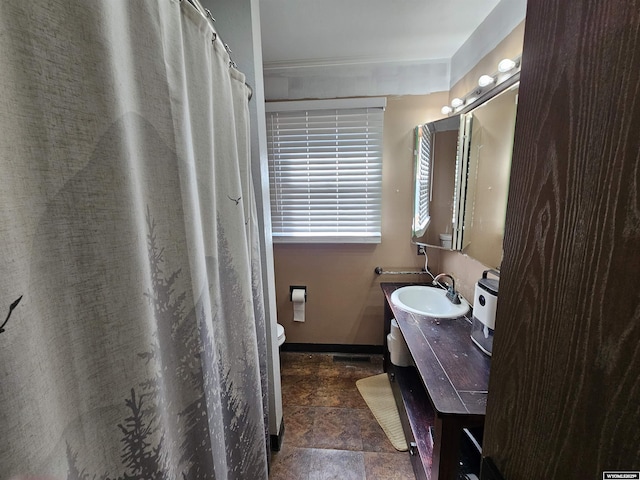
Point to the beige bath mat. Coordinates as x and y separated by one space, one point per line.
376 391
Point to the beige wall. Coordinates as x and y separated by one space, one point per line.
510 47
344 300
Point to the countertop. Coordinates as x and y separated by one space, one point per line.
453 370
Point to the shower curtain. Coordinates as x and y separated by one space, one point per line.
132 343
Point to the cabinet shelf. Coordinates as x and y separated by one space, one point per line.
416 416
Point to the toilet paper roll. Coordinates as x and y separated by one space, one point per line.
398 351
297 297
395 329
398 354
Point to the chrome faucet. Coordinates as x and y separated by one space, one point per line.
452 295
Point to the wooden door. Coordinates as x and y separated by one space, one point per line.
564 393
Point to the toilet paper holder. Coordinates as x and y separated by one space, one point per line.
297 287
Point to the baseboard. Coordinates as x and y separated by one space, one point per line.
331 348
276 440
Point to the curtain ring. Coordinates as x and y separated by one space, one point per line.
214 37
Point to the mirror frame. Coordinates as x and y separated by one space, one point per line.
446 124
462 164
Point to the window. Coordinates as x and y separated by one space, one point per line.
325 170
422 187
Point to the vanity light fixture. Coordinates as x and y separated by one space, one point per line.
457 102
507 68
506 65
486 80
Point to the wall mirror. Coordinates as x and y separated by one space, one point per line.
434 183
461 176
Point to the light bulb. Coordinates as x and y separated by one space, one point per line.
485 80
457 102
446 110
505 65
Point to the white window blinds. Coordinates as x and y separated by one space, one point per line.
325 170
422 197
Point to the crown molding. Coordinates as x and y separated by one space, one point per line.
348 61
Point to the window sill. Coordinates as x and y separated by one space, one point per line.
327 239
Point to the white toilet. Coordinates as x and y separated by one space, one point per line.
281 336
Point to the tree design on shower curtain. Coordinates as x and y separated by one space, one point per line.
143 461
186 358
243 438
179 348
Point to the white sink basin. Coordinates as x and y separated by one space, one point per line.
430 301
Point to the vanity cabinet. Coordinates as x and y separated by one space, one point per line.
444 397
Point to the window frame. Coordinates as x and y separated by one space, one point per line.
364 221
423 178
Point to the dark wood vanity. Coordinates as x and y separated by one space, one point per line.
443 395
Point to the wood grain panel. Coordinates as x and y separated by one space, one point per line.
564 392
466 365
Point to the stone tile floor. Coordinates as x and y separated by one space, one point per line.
330 432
